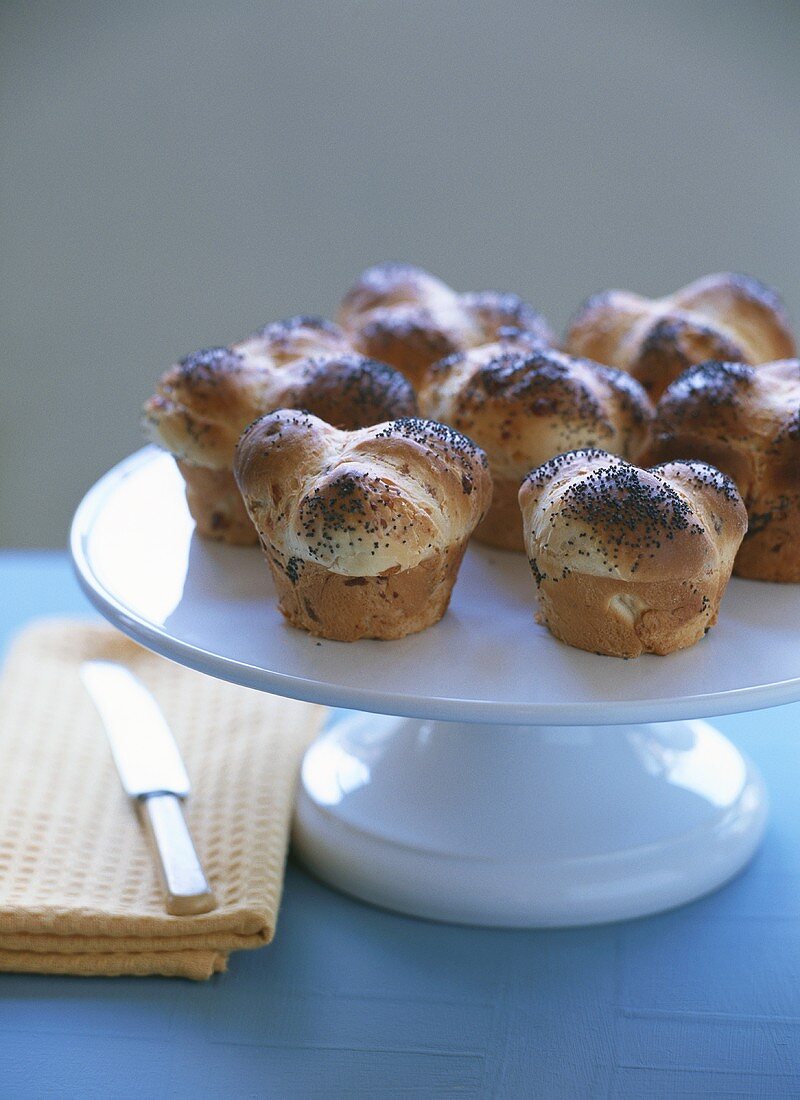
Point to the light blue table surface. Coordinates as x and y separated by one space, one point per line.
350 1001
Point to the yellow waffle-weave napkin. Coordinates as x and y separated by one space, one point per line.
79 887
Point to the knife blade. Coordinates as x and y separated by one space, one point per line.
153 774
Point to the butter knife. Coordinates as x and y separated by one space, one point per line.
152 773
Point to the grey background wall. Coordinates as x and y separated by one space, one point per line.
174 175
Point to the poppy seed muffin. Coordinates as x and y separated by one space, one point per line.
746 421
627 560
523 405
363 531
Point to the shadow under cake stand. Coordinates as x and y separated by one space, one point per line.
491 775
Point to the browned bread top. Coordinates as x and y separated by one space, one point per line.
364 502
411 319
282 342
593 513
748 418
722 316
525 405
204 403
746 421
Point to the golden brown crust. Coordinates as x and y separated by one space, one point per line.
503 315
751 310
628 560
672 344
363 502
411 319
283 342
501 527
203 404
722 316
348 391
590 613
409 338
746 422
216 505
342 608
524 406
390 506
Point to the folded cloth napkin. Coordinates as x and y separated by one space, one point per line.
79 887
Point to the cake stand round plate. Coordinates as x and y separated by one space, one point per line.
501 776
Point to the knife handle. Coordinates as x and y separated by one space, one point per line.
186 886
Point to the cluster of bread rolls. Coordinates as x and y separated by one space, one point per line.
363 455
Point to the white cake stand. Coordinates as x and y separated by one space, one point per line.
525 783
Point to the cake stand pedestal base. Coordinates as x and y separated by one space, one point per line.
526 826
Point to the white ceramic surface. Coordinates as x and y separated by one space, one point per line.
544 814
526 827
212 607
